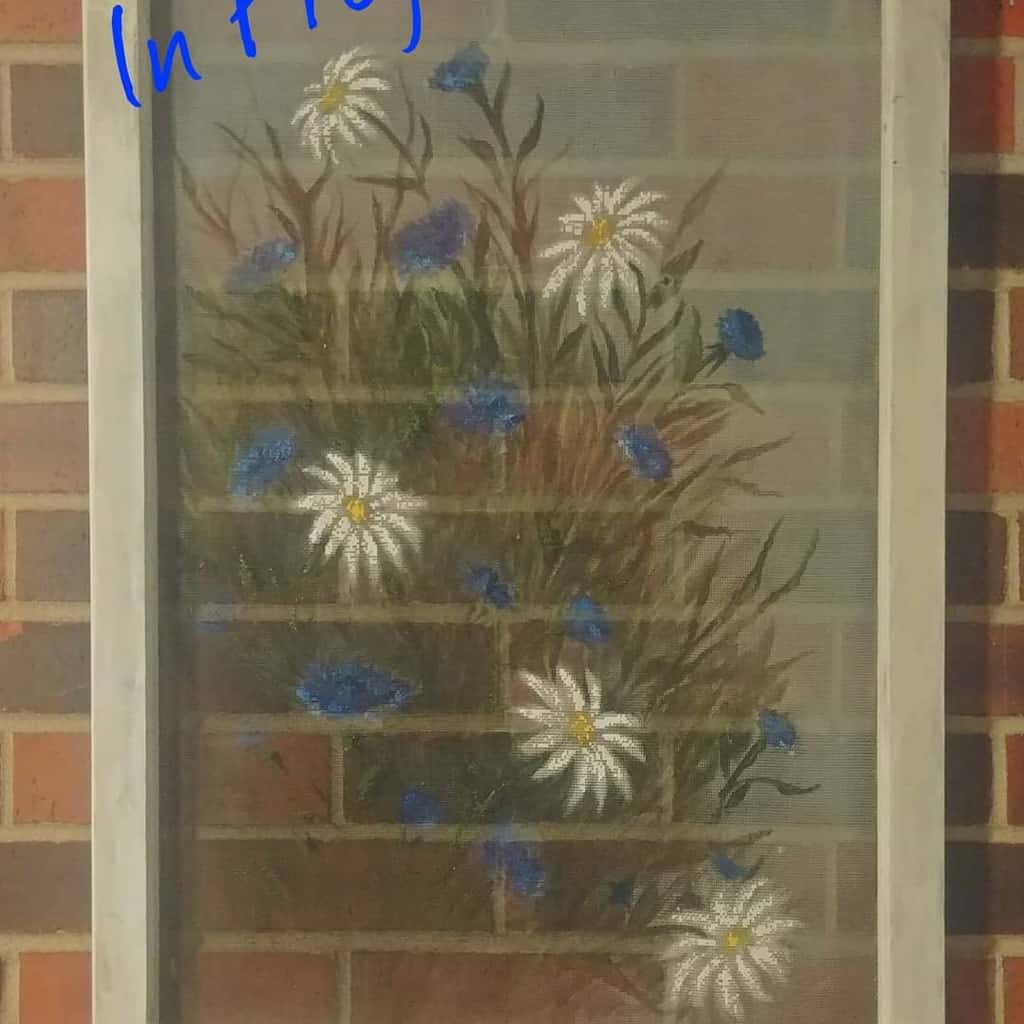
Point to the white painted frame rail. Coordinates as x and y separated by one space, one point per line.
911 510
122 466
915 77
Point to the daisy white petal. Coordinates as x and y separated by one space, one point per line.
547 691
571 688
618 774
543 716
748 975
578 786
555 764
541 743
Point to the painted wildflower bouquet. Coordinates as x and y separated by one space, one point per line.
463 418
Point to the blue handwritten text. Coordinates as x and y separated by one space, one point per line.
177 46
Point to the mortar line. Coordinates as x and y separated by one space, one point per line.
1001 337
10 993
6 112
999 992
1013 582
12 943
14 168
20 393
9 568
39 502
343 982
42 721
483 723
41 53
7 779
337 784
1000 784
468 834
7 337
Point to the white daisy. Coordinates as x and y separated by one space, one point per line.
573 733
337 105
607 232
738 943
362 514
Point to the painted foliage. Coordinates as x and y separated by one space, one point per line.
486 406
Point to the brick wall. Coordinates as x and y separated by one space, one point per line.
43 553
985 639
44 578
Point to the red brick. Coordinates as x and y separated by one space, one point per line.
44 668
1015 779
51 778
53 556
264 780
968 779
744 108
988 18
418 989
1013 982
266 988
984 669
44 887
985 216
46 110
372 885
982 105
775 224
1017 333
969 991
55 988
44 21
969 329
975 557
983 891
44 225
44 448
985 447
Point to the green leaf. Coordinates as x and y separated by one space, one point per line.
570 344
532 137
679 266
697 204
501 93
481 149
397 181
737 796
428 145
785 788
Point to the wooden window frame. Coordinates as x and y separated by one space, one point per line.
911 503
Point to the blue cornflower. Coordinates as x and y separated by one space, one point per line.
728 868
622 893
263 462
418 806
777 731
587 621
434 241
463 72
486 583
523 870
644 451
487 407
263 266
350 688
741 334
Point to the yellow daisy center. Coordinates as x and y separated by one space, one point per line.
357 510
736 938
332 98
598 233
580 728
